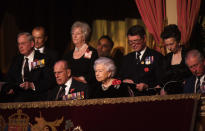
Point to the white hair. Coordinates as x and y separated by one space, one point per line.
108 64
84 27
27 34
194 54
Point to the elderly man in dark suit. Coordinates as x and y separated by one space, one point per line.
30 75
67 88
143 67
196 63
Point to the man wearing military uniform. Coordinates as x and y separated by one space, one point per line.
142 68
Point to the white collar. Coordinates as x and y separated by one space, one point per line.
41 49
141 52
201 81
68 84
30 56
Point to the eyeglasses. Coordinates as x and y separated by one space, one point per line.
137 41
170 44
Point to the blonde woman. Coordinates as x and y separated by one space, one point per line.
83 56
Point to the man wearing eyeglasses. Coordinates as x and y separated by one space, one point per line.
196 63
142 67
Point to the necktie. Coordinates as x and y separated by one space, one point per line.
61 92
198 90
138 57
26 70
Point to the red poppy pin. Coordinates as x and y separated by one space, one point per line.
146 69
87 50
71 90
116 82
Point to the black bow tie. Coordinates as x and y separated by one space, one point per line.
63 86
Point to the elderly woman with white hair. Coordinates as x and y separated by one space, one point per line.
110 87
83 56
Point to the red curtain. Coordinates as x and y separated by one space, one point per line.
153 15
187 13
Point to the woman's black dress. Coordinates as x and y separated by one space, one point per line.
112 92
175 75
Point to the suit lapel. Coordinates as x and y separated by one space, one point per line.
56 91
133 57
72 86
19 70
193 81
37 56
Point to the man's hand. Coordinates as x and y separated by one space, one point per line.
141 86
81 79
27 85
11 91
128 81
163 92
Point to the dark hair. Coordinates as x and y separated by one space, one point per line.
108 38
171 31
136 30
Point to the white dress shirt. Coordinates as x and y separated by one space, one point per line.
30 59
141 52
68 84
201 81
41 50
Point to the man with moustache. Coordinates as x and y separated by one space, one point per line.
142 67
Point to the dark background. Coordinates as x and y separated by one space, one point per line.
58 16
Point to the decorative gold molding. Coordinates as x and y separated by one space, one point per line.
19 119
202 109
42 124
51 104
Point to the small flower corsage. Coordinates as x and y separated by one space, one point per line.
116 83
88 54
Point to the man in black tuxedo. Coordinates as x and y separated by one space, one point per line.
67 88
40 37
143 67
196 63
29 76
